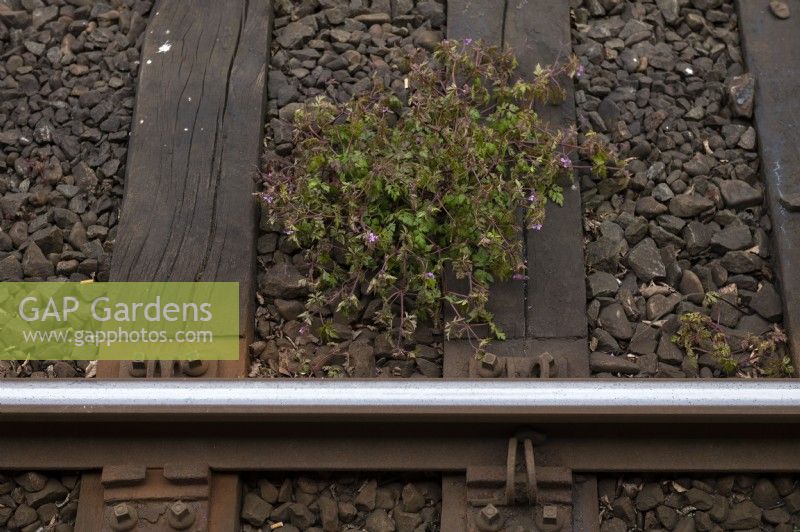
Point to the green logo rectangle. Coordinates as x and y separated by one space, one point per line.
119 321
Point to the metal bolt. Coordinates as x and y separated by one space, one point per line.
194 368
179 510
138 368
123 518
490 513
490 366
551 518
550 514
489 361
489 519
547 367
180 516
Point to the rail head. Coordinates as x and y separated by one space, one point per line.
484 401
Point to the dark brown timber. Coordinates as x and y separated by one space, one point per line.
189 215
476 19
188 212
484 20
538 32
772 53
546 313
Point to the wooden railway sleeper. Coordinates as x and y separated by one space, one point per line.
519 496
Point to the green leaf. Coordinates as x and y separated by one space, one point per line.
439 177
555 193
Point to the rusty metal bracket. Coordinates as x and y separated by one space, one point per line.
176 369
175 497
168 369
550 366
544 366
520 495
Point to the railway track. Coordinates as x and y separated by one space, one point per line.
563 432
523 440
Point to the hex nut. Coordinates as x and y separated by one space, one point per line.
137 368
489 361
490 513
123 517
194 368
180 516
550 514
489 519
550 518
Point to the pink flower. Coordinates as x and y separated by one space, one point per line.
580 72
467 41
565 161
267 198
532 197
429 275
536 227
371 238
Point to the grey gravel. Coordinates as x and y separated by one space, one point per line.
334 503
67 80
732 502
32 500
664 81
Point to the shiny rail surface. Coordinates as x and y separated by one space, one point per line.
417 399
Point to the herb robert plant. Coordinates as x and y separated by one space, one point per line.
387 195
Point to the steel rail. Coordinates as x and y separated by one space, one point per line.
401 425
414 400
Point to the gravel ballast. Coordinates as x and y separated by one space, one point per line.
334 49
318 504
67 81
665 82
739 502
36 501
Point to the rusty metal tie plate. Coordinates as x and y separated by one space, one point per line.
519 496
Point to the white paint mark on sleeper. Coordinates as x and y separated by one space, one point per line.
164 48
778 171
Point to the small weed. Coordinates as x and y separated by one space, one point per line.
699 334
388 195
